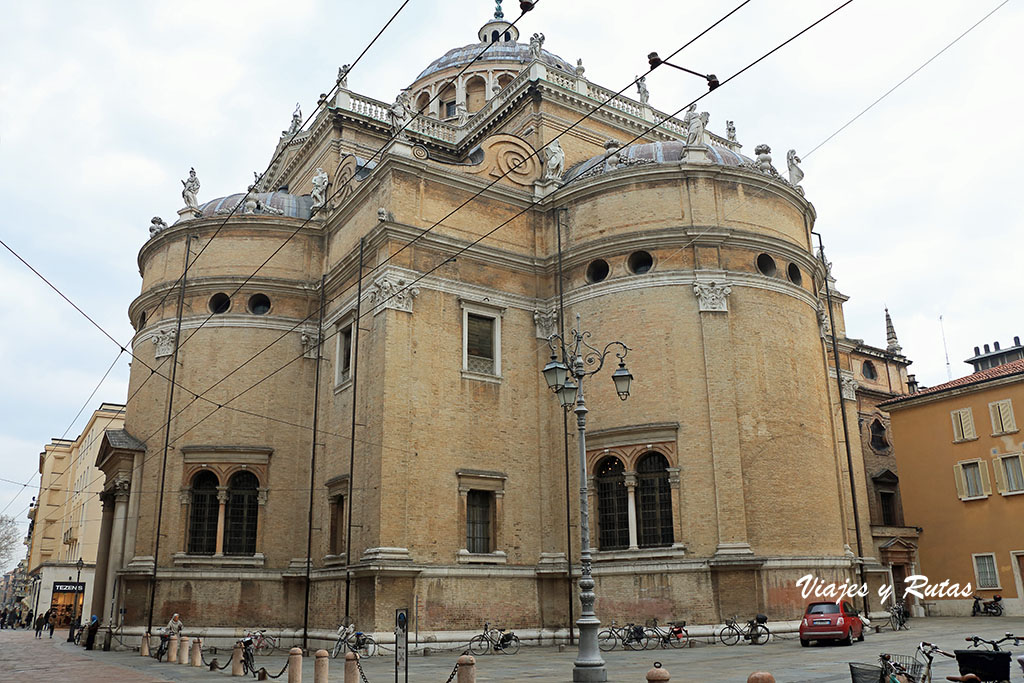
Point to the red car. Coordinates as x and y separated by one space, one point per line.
831 621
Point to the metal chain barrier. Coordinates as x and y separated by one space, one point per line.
280 673
202 657
362 676
455 670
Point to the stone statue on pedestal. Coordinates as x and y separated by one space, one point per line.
319 193
190 190
554 161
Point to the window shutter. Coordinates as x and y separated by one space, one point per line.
986 482
958 432
968 424
1006 413
997 468
997 418
958 477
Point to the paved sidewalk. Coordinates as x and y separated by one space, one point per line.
24 659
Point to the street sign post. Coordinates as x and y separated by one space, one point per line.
402 645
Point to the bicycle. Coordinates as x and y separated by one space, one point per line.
248 655
262 643
755 631
632 637
350 639
497 639
676 635
988 665
161 650
898 616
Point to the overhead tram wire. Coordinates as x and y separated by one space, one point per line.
532 204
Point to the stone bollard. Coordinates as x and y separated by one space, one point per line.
351 668
320 666
172 650
658 673
183 648
295 665
236 660
144 645
467 669
197 652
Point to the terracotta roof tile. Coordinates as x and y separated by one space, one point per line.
1005 370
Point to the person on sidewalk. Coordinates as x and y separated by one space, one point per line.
51 621
90 634
41 623
3 618
28 619
174 626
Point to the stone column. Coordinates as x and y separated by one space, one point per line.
99 587
261 500
134 501
222 500
677 507
116 555
490 86
630 481
499 518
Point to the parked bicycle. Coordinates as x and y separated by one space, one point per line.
262 643
755 631
632 637
161 650
248 655
675 634
350 639
987 664
898 614
497 640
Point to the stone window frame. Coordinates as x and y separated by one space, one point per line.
977 574
1001 414
224 462
485 310
493 483
337 489
347 322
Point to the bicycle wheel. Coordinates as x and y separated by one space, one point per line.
654 638
339 647
680 639
606 640
264 647
368 648
635 642
512 646
759 634
479 645
730 635
894 621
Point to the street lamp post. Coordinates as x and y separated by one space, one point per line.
74 613
565 378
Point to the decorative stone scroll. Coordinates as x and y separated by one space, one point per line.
711 296
391 293
546 322
850 387
509 154
310 344
156 226
344 180
823 325
164 342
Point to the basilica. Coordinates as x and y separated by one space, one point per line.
358 420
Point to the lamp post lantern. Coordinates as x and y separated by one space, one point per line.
74 613
565 378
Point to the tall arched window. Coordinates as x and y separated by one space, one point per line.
612 505
653 501
242 508
202 528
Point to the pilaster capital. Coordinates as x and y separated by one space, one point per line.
629 479
222 494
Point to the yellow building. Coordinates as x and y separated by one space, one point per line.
712 489
64 519
959 450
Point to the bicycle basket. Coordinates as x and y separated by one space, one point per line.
913 667
865 673
762 618
985 664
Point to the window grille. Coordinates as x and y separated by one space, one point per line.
612 505
480 344
986 566
242 509
202 536
478 521
888 505
654 501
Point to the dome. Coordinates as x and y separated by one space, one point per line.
288 204
654 153
497 52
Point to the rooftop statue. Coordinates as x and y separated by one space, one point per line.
554 161
695 128
536 41
795 174
641 86
730 130
399 113
462 113
343 75
319 193
190 190
763 154
156 226
296 124
579 68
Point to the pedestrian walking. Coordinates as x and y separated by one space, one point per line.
3 618
41 623
51 621
28 619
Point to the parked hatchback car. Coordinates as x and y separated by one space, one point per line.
831 621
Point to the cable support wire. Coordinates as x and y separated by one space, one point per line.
491 232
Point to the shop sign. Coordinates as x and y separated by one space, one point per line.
68 587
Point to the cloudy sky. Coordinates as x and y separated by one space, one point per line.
104 106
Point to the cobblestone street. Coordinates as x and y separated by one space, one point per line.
22 658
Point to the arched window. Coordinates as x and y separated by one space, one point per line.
494 36
242 508
612 505
868 370
202 528
878 440
653 501
476 89
423 103
504 79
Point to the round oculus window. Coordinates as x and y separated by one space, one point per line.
794 274
597 270
640 262
259 304
220 303
766 265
